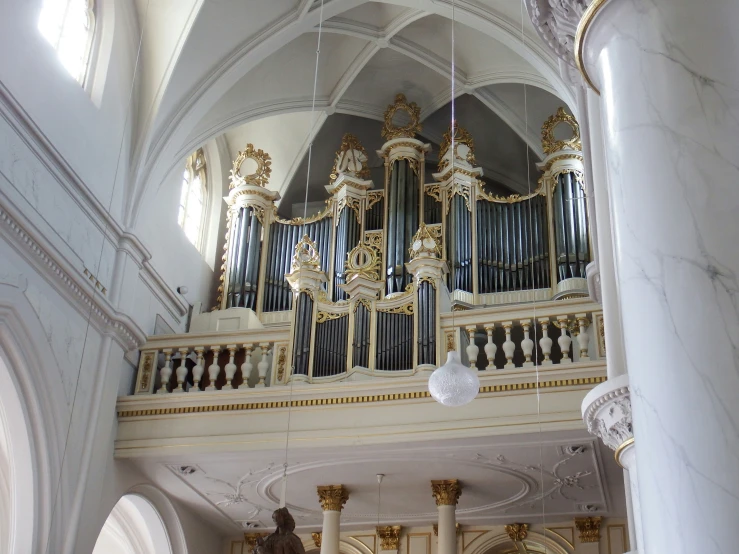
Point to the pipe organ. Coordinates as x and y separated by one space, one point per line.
363 283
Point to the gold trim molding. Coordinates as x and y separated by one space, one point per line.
624 445
446 492
347 400
332 497
582 29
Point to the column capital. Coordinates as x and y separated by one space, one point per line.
589 528
250 540
332 497
446 492
517 531
606 411
389 537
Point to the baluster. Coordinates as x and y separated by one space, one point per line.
199 369
509 347
166 372
545 341
247 367
583 339
527 345
230 366
472 349
490 347
182 370
263 364
214 369
564 340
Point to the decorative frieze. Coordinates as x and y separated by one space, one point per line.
589 528
517 531
446 492
332 497
607 413
389 537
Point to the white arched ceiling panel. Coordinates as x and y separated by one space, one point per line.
283 137
372 15
286 78
388 73
475 52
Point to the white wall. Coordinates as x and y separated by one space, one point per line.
62 339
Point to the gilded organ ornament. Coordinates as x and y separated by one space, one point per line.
401 108
426 243
464 146
260 176
306 255
550 143
351 159
364 260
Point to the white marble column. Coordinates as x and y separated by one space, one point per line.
333 498
667 74
447 494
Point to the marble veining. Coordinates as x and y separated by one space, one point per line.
672 135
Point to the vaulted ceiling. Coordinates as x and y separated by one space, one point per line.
246 70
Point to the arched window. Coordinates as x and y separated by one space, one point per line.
193 198
68 25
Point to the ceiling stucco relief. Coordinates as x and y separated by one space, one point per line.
220 75
499 482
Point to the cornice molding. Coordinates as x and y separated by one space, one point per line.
52 160
67 281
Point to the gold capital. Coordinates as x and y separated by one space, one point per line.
317 538
446 492
251 540
517 531
589 528
332 497
389 537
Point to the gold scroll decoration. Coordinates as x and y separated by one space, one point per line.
351 158
550 143
364 260
517 531
426 242
260 177
306 255
391 131
461 136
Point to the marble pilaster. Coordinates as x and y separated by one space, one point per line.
447 494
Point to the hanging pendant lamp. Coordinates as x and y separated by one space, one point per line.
453 384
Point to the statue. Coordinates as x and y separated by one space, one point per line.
283 540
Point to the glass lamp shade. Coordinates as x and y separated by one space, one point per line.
454 384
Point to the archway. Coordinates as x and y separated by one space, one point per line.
500 543
134 526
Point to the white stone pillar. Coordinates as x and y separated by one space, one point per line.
615 354
447 494
333 498
666 71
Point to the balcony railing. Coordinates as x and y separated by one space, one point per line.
562 333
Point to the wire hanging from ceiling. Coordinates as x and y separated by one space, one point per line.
311 138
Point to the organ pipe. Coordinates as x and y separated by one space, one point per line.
362 279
